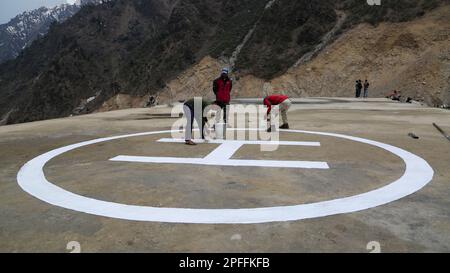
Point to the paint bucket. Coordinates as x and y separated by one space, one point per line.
221 130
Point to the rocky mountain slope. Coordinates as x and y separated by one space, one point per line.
23 29
174 48
412 57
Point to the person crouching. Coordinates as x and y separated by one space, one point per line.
195 109
284 103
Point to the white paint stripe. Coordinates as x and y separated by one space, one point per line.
246 142
278 164
229 162
224 152
417 175
162 160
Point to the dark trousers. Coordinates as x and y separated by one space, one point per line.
224 107
190 116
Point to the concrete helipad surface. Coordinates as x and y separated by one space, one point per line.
233 204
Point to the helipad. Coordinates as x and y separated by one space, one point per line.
417 174
338 180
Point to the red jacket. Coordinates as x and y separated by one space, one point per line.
274 100
222 89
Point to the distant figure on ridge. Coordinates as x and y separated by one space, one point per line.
366 89
358 87
395 95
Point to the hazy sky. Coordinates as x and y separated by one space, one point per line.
11 8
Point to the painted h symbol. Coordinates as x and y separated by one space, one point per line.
221 156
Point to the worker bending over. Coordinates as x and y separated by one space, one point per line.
284 103
195 109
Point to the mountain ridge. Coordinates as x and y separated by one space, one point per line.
138 47
23 29
26 27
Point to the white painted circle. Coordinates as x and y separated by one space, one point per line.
31 178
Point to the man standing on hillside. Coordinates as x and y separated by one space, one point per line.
222 87
366 89
358 87
284 103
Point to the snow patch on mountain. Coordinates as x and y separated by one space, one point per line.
22 30
270 4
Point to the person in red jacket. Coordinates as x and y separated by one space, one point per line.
284 103
222 87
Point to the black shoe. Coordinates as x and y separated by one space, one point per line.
190 142
269 130
284 126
